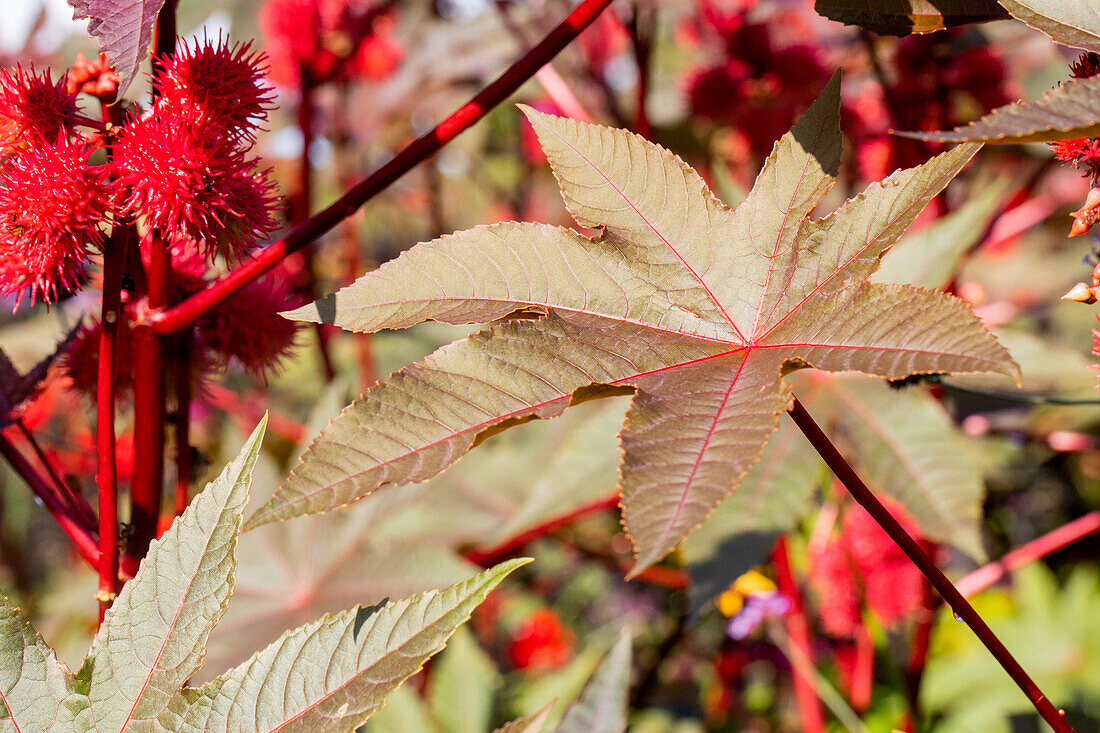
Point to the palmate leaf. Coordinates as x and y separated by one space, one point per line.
533 723
905 17
1069 112
691 307
123 30
1069 23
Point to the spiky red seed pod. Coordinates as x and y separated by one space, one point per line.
863 564
32 106
248 329
189 184
217 86
51 208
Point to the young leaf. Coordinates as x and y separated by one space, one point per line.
602 707
693 308
34 685
1069 23
905 17
333 674
462 685
154 635
123 30
533 723
1066 113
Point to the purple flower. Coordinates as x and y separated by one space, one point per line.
758 606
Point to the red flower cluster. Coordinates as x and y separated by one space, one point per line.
862 566
329 39
94 78
183 167
1082 153
542 642
942 80
759 87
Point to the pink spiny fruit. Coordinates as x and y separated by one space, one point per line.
51 210
33 107
1081 152
862 565
218 87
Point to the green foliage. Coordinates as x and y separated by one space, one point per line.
1053 630
328 675
602 707
694 308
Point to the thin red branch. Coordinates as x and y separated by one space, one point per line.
963 610
150 387
185 313
919 647
492 555
81 535
798 630
75 500
1052 541
114 264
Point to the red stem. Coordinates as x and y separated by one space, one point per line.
80 534
1052 541
641 34
114 263
798 631
189 310
963 610
184 378
493 555
149 406
918 653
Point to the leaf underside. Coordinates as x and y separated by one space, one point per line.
1069 112
602 707
694 308
906 17
1069 23
122 29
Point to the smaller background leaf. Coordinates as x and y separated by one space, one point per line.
905 17
602 707
1069 23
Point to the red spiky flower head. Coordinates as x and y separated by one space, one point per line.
32 106
51 209
248 329
190 184
216 86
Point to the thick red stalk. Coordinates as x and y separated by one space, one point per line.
798 630
1052 541
114 263
963 610
184 378
185 313
150 385
81 535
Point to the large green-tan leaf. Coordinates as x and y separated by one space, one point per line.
602 707
692 307
1071 111
154 635
34 685
1069 23
333 674
904 17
